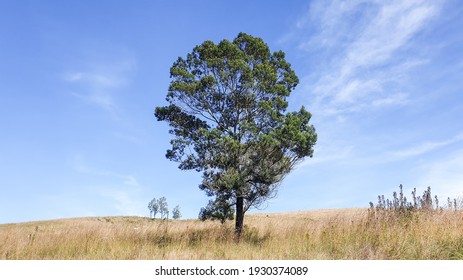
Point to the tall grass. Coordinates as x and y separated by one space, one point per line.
324 234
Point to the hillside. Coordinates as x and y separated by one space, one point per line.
321 234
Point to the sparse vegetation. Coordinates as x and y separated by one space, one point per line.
323 234
400 203
401 206
160 206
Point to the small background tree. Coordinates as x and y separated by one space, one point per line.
163 208
153 206
176 213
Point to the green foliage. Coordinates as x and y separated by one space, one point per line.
218 209
176 213
159 206
226 111
153 206
163 208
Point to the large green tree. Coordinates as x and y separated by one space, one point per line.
227 113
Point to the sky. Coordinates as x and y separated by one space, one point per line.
79 81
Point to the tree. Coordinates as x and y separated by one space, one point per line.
153 206
163 208
227 105
176 213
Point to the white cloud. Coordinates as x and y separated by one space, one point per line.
119 192
124 202
395 23
362 46
100 98
328 154
98 81
395 99
131 181
80 164
427 147
129 137
352 90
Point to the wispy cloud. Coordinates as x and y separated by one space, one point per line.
391 29
80 165
121 192
98 81
427 147
124 202
361 46
328 154
129 137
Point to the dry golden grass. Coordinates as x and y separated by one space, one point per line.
323 234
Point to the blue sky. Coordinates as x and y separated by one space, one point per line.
79 81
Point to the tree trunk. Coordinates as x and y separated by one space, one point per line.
239 217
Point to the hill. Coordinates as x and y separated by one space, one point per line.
321 234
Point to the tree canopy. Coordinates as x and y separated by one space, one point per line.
227 114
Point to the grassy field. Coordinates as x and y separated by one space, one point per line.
323 234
